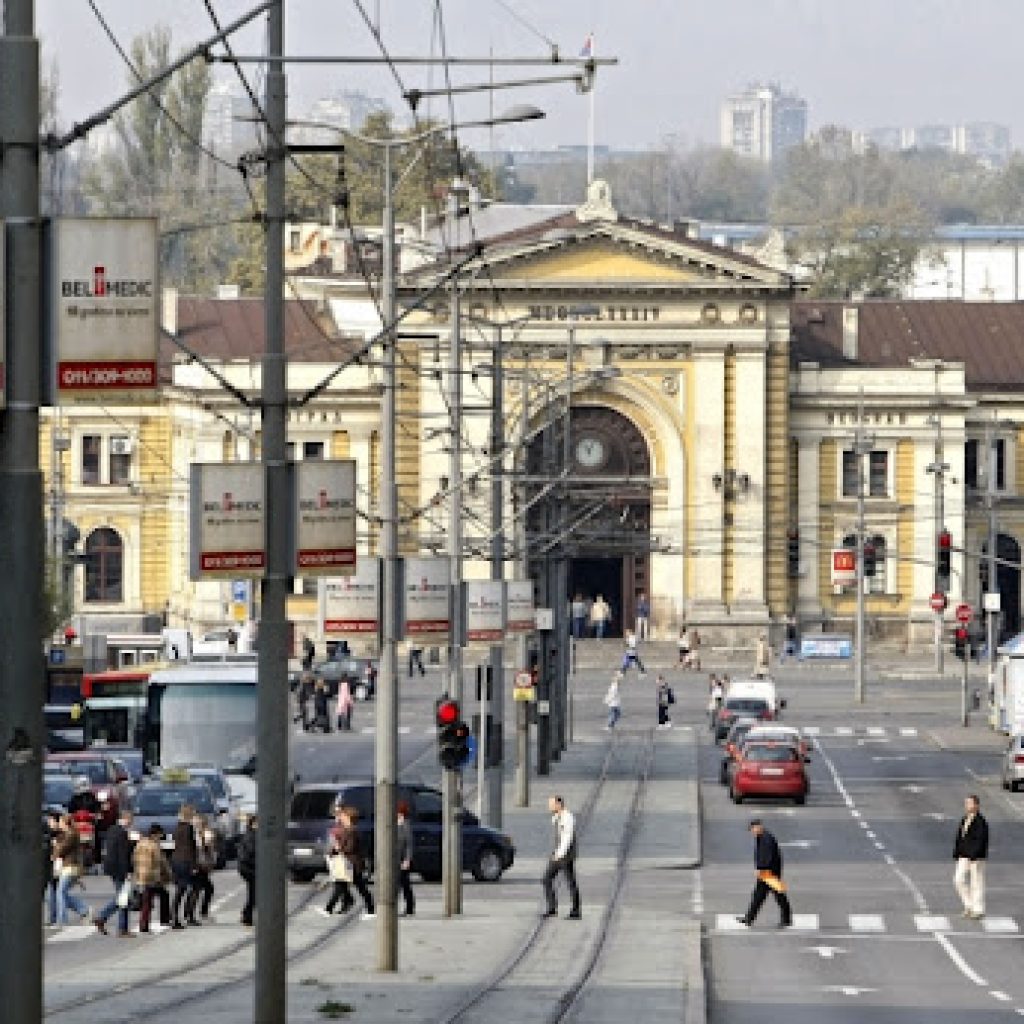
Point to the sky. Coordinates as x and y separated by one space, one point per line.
863 64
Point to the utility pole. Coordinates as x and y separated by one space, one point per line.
862 443
21 526
963 683
523 645
272 693
386 750
939 468
491 793
991 464
451 789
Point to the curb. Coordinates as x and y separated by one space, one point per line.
696 984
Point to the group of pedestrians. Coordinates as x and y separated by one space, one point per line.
664 697
314 694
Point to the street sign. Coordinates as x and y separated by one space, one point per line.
350 605
844 565
544 618
523 688
990 602
938 601
519 607
485 611
105 297
964 613
226 513
239 591
543 707
325 517
427 598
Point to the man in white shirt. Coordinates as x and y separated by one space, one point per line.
563 859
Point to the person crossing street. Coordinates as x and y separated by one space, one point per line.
563 859
117 864
970 850
768 862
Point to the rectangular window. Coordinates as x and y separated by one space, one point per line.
878 474
849 475
92 446
977 467
971 477
999 453
120 460
312 449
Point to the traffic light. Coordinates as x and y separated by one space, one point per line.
793 552
944 548
870 560
452 734
961 642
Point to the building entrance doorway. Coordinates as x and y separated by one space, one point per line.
591 577
1007 583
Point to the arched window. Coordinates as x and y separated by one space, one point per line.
104 566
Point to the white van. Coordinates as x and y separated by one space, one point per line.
757 689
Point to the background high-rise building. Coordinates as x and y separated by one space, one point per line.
762 122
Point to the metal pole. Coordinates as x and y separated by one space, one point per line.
993 536
858 666
272 693
483 682
452 837
963 684
523 646
544 682
940 516
491 810
22 542
386 752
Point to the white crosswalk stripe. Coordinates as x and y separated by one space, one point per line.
811 730
931 923
999 925
805 922
867 923
74 933
876 730
908 731
728 923
844 730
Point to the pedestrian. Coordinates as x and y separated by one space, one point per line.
416 660
665 697
563 859
643 616
789 647
684 646
600 617
51 869
183 867
613 701
631 656
117 865
232 641
152 873
716 694
579 617
970 850
308 654
768 862
405 844
320 714
247 868
762 656
344 705
70 856
206 861
305 696
693 661
349 869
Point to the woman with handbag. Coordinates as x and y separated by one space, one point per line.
345 864
206 861
152 873
72 861
345 705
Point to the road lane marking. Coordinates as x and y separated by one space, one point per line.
825 952
999 924
848 990
876 730
870 834
698 892
811 730
912 789
728 923
879 846
800 844
367 730
867 922
805 923
855 813
844 730
890 757
962 965
931 922
1001 996
906 731
404 730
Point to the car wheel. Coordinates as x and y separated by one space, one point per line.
488 867
737 798
300 877
800 800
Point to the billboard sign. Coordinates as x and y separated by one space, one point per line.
485 611
844 566
105 302
325 518
426 603
226 535
350 605
519 617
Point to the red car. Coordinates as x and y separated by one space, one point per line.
108 779
769 769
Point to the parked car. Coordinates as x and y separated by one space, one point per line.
485 852
160 801
108 779
1013 764
739 728
769 769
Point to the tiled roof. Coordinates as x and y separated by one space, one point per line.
987 337
223 329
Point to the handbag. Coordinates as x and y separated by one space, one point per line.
671 696
339 868
124 895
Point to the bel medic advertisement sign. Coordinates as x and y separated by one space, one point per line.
325 517
226 513
105 309
350 605
485 611
426 598
519 617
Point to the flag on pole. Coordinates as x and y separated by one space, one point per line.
588 46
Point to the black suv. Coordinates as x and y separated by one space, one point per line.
486 853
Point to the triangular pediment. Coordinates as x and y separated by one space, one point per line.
627 253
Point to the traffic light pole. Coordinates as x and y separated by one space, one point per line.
523 645
963 684
21 526
939 468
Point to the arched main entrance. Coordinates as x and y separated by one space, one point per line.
600 521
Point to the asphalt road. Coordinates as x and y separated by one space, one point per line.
878 936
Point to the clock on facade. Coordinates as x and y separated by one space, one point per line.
590 452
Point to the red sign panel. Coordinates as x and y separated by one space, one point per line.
964 613
938 601
99 376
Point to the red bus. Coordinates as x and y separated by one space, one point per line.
114 706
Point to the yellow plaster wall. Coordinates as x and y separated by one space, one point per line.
598 263
340 445
907 500
729 461
780 471
826 523
154 461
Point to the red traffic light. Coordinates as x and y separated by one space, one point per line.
961 633
447 712
945 539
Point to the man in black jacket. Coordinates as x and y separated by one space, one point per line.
768 861
117 864
970 849
247 869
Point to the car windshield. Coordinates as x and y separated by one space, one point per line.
57 789
764 752
215 782
94 771
314 804
163 802
748 705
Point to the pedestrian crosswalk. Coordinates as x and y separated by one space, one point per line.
879 924
873 732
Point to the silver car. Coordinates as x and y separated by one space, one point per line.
1013 764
